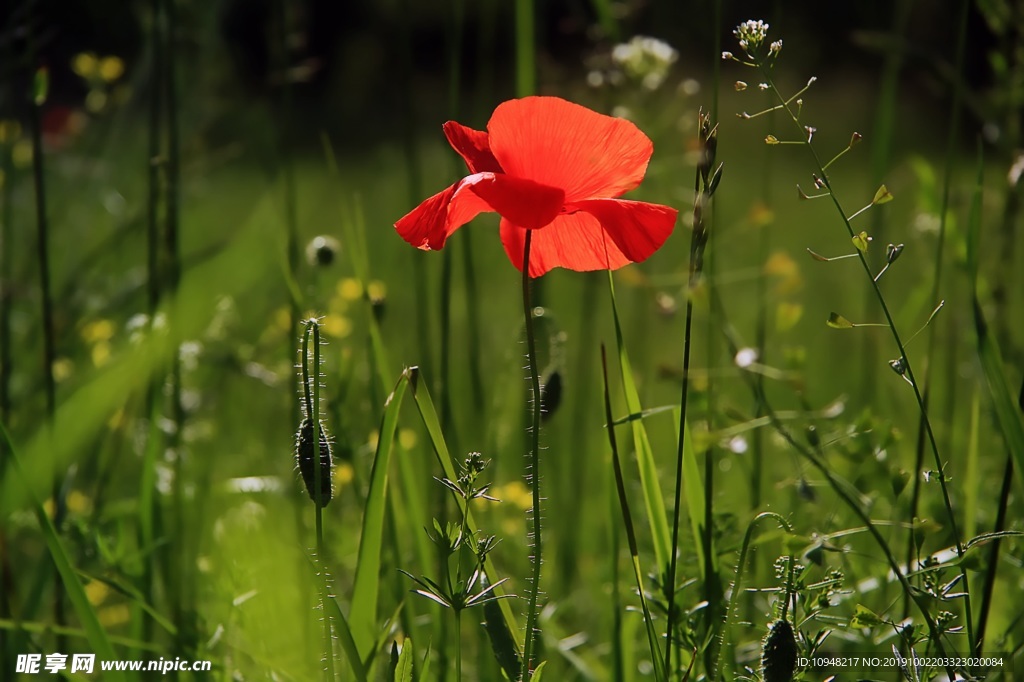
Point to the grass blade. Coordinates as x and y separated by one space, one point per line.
627 519
1009 418
348 643
94 632
653 499
366 588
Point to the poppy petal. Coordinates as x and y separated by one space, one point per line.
472 146
430 224
574 241
603 234
524 202
637 228
561 144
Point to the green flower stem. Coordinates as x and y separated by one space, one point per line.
922 406
534 463
312 397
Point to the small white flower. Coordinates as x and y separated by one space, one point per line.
775 47
645 59
751 34
763 86
745 357
727 55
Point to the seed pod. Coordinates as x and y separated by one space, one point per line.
778 653
304 459
550 395
321 251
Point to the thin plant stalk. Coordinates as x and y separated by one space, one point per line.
951 144
37 98
172 251
894 331
311 389
634 551
703 189
147 501
533 464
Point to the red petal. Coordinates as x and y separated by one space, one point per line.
472 147
430 224
637 228
561 144
601 235
524 202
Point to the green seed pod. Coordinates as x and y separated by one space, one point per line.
304 460
778 653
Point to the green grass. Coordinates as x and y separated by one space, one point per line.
224 571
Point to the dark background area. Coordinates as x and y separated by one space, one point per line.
363 64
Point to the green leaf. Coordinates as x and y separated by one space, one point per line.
538 673
348 643
41 86
366 587
863 617
627 520
862 241
837 321
649 478
404 665
882 196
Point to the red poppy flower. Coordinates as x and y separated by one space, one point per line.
555 167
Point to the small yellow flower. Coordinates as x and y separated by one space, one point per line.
85 64
343 475
111 68
97 592
98 330
407 439
62 369
21 154
514 492
350 289
78 502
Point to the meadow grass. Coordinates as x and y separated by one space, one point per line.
707 416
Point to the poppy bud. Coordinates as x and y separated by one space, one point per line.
779 653
550 395
304 459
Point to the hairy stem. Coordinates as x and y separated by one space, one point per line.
533 463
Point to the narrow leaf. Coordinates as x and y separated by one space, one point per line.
837 321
